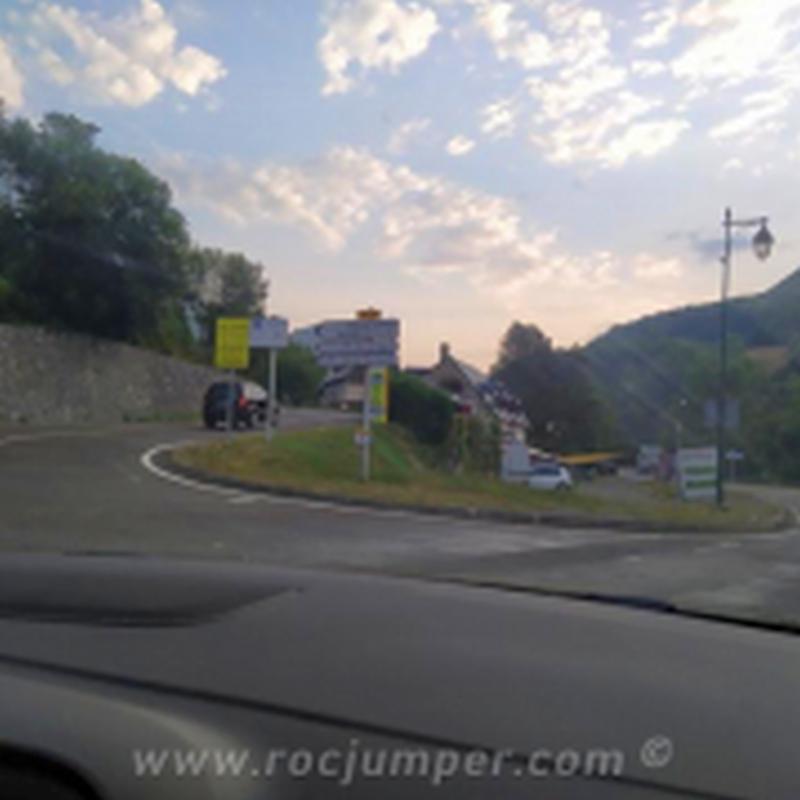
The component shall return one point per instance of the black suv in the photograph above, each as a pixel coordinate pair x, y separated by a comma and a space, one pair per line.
250, 404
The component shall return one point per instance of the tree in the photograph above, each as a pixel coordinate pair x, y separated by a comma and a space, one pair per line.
555, 389
521, 340
299, 374
224, 285
474, 445
91, 241
772, 430
425, 411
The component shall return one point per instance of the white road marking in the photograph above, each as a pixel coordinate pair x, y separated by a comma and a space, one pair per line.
147, 461
245, 499
241, 496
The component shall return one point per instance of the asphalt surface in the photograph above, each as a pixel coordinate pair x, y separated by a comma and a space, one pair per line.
88, 490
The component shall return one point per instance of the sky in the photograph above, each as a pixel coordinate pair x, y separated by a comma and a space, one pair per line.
459, 164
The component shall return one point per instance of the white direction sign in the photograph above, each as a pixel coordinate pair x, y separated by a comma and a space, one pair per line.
697, 473
269, 332
358, 343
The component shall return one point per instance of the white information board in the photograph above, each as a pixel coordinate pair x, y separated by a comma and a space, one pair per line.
269, 332
358, 343
697, 473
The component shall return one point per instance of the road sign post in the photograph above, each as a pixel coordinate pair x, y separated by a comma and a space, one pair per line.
375, 408
232, 352
272, 400
271, 334
366, 429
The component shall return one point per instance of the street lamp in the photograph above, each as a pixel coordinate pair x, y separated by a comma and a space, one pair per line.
763, 243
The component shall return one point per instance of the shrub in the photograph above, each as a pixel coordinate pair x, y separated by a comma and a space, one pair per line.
425, 411
474, 445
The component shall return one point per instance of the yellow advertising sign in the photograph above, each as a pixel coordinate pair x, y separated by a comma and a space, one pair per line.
232, 343
378, 382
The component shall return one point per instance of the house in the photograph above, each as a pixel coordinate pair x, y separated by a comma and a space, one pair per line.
343, 389
476, 393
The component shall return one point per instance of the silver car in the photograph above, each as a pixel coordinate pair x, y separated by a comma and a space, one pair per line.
550, 477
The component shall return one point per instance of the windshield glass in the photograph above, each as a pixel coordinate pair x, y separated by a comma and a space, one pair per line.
519, 276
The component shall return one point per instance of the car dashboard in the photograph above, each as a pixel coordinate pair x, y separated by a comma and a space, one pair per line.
145, 678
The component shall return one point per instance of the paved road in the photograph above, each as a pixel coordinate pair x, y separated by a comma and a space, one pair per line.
87, 490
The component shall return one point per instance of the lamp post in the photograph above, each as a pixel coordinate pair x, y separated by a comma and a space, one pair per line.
763, 242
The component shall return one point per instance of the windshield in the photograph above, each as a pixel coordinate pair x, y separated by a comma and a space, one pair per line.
508, 290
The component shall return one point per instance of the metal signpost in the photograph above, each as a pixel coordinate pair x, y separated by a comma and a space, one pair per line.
272, 334
375, 409
232, 352
369, 343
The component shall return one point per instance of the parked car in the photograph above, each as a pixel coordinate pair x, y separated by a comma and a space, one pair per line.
250, 403
550, 477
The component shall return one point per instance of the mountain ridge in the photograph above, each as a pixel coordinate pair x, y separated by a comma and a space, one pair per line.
768, 318
658, 373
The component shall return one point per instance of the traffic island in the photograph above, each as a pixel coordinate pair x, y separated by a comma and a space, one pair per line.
323, 464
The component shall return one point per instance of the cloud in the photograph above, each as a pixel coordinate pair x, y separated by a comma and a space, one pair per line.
422, 225
661, 23
736, 42
708, 248
609, 137
499, 119
642, 140
371, 35
762, 114
588, 113
459, 146
55, 66
587, 99
513, 38
407, 133
585, 110
11, 83
647, 267
329, 197
127, 59
733, 164
648, 68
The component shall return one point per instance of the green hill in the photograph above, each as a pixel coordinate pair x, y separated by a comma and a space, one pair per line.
658, 373
769, 318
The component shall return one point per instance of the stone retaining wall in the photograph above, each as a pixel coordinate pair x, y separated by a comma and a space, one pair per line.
60, 378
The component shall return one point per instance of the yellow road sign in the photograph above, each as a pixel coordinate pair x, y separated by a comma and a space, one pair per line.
378, 382
232, 343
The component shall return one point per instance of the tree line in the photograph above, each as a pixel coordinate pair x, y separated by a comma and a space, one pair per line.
91, 242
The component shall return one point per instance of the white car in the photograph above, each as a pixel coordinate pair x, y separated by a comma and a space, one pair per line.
549, 477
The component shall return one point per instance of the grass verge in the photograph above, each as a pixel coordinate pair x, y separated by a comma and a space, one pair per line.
325, 462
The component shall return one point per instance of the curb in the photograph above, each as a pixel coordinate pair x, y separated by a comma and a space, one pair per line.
165, 461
